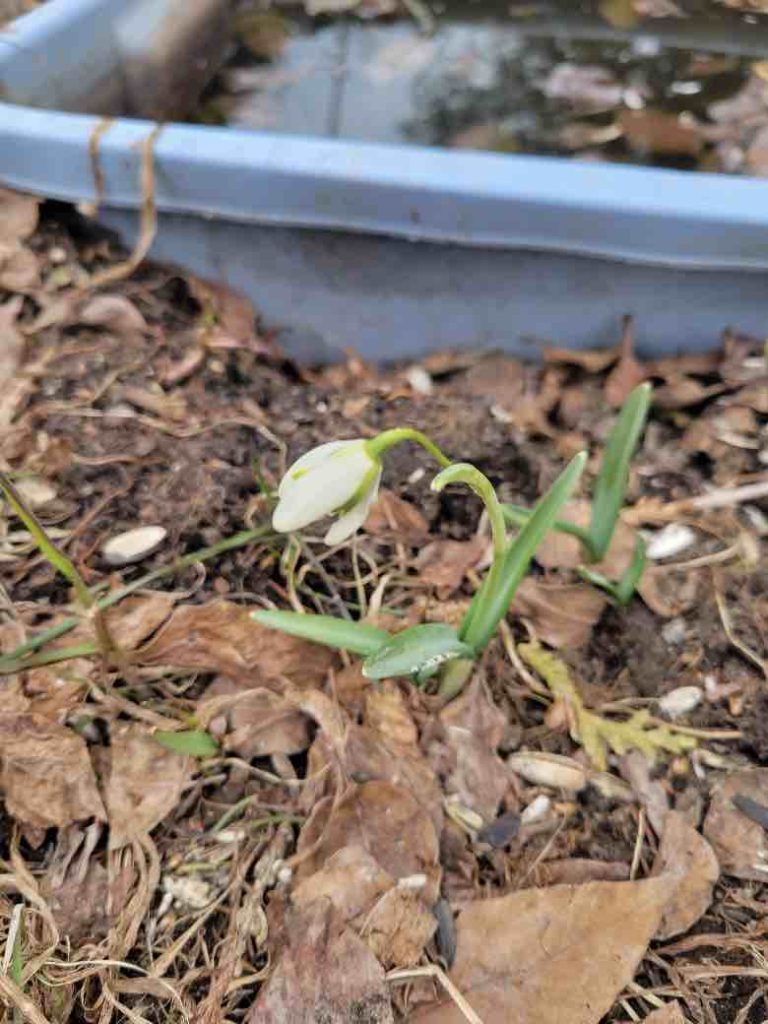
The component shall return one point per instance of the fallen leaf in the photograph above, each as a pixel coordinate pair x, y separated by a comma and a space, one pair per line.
651, 793
137, 617
46, 777
234, 315
562, 953
352, 879
669, 1013
143, 783
19, 271
254, 722
395, 519
386, 712
443, 564
324, 972
561, 616
474, 728
577, 871
385, 820
116, 313
11, 341
627, 373
593, 360
499, 379
686, 856
398, 927
222, 637
18, 214
656, 131
740, 844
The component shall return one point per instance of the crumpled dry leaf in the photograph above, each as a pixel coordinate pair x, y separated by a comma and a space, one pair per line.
650, 792
443, 564
46, 777
19, 271
593, 360
395, 519
143, 783
499, 379
656, 131
352, 879
687, 856
11, 340
222, 637
116, 313
18, 214
588, 86
398, 927
740, 844
234, 314
324, 973
577, 871
385, 820
253, 723
474, 728
562, 616
562, 953
137, 617
627, 373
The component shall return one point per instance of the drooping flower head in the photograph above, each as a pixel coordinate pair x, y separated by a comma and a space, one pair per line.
340, 478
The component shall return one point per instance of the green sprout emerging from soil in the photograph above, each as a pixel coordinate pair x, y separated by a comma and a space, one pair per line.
341, 479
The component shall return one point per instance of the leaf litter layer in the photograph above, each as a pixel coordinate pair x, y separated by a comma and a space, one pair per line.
219, 822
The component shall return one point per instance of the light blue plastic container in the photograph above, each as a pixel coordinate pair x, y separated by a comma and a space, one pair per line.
390, 250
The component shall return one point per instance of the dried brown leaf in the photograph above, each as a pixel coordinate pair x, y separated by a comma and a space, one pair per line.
566, 951
352, 879
137, 617
397, 520
499, 379
561, 616
11, 341
386, 713
593, 360
443, 564
46, 778
115, 313
253, 723
740, 844
323, 973
143, 783
385, 820
398, 928
234, 314
686, 856
222, 637
18, 215
19, 271
578, 870
626, 374
474, 728
656, 131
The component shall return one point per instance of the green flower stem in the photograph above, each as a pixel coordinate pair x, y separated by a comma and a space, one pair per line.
466, 473
389, 438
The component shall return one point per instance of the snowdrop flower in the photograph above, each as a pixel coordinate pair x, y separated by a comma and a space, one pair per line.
339, 478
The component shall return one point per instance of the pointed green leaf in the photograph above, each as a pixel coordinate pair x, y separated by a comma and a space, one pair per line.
357, 637
494, 597
193, 742
418, 650
611, 483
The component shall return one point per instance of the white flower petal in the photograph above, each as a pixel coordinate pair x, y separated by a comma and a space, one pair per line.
327, 486
348, 524
309, 459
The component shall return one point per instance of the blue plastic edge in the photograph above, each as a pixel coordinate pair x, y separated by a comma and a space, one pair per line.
667, 218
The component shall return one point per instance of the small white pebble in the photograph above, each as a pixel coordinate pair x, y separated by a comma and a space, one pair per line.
133, 545
416, 475
680, 701
672, 540
537, 810
57, 255
35, 491
284, 874
420, 380
673, 632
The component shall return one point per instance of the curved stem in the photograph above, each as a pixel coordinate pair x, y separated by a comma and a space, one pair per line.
389, 438
466, 473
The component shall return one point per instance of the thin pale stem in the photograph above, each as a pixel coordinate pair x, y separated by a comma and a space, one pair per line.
466, 473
